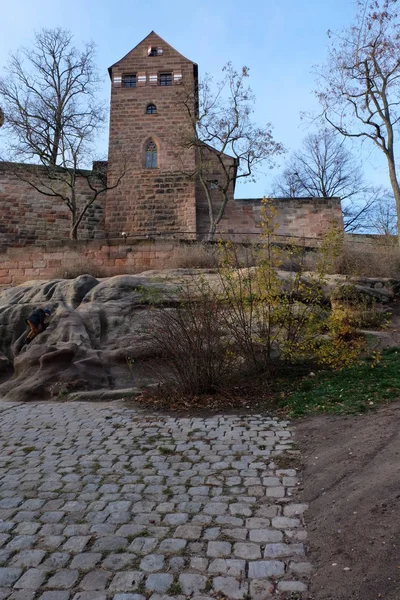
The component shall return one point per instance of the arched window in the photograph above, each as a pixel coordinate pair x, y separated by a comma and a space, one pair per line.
151, 109
151, 155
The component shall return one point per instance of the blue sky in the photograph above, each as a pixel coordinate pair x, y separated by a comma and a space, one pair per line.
279, 41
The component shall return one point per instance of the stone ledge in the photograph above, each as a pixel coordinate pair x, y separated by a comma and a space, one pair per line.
99, 395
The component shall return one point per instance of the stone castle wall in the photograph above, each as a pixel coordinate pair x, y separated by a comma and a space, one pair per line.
163, 198
28, 216
158, 199
295, 217
101, 258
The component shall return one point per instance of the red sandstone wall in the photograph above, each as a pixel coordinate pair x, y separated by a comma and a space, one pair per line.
27, 216
160, 199
149, 201
296, 217
100, 257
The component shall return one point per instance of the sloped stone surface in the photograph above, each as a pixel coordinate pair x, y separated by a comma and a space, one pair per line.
98, 327
94, 327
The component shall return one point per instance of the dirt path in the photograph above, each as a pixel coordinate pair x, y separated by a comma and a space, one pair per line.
352, 482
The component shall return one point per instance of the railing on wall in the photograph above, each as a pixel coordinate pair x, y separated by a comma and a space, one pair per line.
239, 237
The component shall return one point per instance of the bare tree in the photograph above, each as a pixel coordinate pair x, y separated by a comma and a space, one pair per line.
359, 88
52, 116
226, 141
324, 168
383, 217
358, 214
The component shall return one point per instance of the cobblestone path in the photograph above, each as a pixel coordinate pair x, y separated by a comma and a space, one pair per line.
101, 502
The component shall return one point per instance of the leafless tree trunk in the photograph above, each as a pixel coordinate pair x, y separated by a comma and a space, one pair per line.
226, 142
360, 88
77, 188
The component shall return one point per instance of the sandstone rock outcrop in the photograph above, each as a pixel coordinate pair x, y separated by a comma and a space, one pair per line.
95, 327
98, 336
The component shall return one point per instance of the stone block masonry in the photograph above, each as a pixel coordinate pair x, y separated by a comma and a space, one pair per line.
100, 258
295, 218
133, 506
154, 162
28, 216
161, 198
103, 258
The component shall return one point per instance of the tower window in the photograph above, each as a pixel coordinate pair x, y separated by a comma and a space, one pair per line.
151, 109
165, 79
151, 155
154, 51
129, 80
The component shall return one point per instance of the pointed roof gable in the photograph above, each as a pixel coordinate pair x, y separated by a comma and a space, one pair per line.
155, 39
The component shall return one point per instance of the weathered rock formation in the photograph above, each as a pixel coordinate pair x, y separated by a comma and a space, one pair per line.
98, 334
95, 328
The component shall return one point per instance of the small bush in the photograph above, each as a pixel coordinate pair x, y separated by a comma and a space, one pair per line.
349, 295
356, 309
193, 256
251, 318
273, 317
192, 341
342, 345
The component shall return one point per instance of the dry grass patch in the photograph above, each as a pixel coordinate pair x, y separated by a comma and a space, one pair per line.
78, 267
368, 260
193, 256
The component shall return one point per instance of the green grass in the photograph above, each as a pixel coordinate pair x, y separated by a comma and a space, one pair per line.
356, 389
168, 492
165, 451
174, 589
29, 449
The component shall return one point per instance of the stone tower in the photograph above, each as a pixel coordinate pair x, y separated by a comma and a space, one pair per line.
147, 119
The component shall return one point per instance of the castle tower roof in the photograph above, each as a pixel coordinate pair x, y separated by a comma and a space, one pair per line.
152, 39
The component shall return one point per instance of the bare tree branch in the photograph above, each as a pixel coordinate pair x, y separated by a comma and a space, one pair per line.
226, 142
52, 116
382, 218
324, 168
359, 88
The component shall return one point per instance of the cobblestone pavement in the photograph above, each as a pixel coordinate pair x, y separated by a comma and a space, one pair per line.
101, 502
